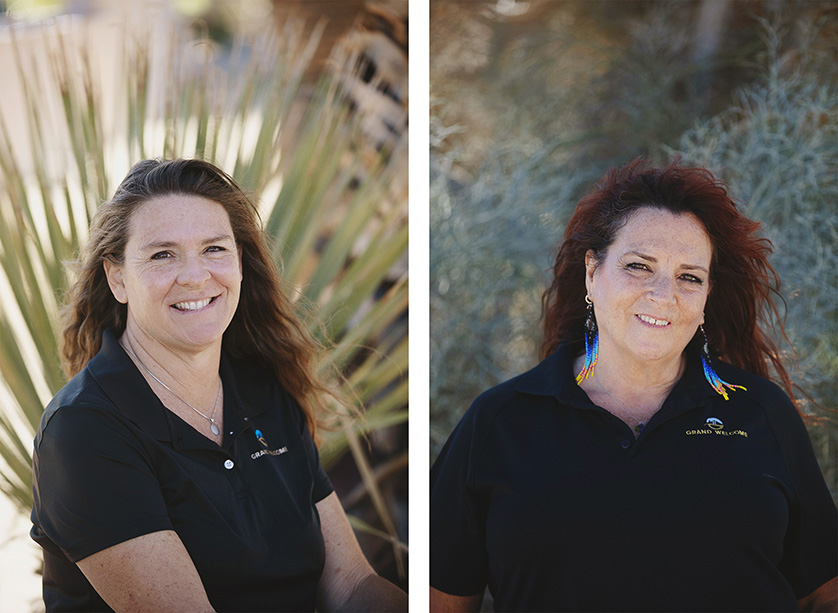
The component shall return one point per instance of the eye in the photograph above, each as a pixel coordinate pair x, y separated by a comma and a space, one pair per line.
692, 279
637, 266
161, 255
216, 249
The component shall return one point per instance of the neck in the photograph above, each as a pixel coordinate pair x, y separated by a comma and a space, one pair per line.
630, 378
631, 391
189, 370
639, 385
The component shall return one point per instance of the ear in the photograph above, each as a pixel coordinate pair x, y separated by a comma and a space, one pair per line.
116, 280
591, 264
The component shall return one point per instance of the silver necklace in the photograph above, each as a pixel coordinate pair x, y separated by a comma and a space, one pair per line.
211, 419
640, 424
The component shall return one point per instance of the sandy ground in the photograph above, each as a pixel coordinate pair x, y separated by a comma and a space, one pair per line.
20, 587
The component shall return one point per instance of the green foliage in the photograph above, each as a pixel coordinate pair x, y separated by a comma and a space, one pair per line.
777, 148
340, 222
491, 242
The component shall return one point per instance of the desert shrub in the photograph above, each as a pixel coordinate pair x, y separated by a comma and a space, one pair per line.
777, 147
491, 246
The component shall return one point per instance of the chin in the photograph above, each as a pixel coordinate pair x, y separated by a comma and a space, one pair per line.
655, 353
199, 339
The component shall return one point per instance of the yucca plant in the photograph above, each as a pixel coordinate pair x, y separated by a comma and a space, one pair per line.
338, 220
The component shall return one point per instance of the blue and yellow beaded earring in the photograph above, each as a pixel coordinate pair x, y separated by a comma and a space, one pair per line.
591, 343
714, 379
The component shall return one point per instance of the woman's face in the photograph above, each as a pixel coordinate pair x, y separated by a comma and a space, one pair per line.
181, 273
649, 291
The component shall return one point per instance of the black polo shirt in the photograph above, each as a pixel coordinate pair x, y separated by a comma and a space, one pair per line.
112, 463
547, 498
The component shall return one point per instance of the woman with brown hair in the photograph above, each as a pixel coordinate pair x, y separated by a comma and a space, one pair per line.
177, 469
647, 463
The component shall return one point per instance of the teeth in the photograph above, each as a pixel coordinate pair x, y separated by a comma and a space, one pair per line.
192, 306
653, 321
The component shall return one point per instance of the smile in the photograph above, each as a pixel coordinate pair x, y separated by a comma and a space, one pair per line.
193, 306
662, 323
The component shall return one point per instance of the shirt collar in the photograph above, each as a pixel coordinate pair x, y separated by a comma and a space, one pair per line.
247, 384
554, 377
126, 387
117, 375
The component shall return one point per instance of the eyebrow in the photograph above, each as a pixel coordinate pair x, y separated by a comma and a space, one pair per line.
654, 261
170, 244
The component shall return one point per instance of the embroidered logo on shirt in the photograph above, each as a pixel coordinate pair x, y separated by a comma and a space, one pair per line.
716, 426
266, 451
714, 423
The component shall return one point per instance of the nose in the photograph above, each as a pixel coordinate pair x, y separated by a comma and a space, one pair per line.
193, 272
662, 289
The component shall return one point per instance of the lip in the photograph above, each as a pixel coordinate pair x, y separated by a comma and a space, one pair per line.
653, 322
194, 306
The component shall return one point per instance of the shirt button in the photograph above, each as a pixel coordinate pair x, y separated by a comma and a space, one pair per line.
228, 464
624, 445
247, 419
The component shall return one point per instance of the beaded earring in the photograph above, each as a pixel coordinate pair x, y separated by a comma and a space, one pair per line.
714, 379
591, 344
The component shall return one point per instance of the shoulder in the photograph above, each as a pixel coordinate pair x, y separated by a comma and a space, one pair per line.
98, 409
108, 391
496, 399
770, 399
83, 441
550, 378
759, 391
535, 389
79, 397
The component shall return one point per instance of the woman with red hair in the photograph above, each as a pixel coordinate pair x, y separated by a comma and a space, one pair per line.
647, 463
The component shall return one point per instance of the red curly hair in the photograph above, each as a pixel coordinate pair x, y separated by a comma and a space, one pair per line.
740, 304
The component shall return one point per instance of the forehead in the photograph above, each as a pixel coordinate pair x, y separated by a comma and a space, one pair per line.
177, 217
659, 232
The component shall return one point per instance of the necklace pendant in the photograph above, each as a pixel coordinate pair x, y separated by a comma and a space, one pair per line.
214, 429
639, 427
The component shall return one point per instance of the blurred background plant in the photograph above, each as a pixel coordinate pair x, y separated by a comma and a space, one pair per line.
777, 147
532, 102
314, 127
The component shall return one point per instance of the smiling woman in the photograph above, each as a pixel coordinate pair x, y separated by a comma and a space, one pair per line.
151, 487
649, 290
182, 271
582, 485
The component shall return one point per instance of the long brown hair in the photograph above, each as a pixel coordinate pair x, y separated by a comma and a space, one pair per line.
265, 327
740, 304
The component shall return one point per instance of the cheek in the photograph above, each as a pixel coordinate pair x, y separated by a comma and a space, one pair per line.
226, 274
229, 273
693, 304
622, 292
149, 284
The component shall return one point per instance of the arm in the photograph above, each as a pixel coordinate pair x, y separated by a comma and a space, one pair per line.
349, 583
152, 572
825, 598
448, 603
